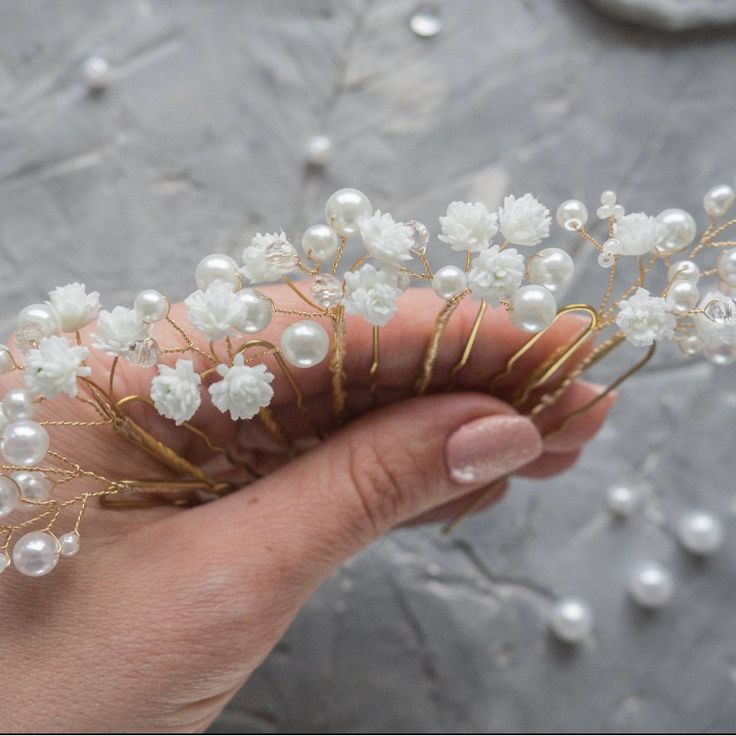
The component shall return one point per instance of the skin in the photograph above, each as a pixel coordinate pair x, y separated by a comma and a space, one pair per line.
165, 613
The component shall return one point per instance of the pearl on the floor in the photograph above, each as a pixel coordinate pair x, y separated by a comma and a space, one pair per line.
96, 72
216, 266
651, 585
700, 533
320, 242
572, 214
623, 500
33, 484
36, 554
532, 308
69, 544
305, 344
319, 148
344, 210
151, 305
571, 620
18, 403
9, 495
256, 311
680, 229
449, 281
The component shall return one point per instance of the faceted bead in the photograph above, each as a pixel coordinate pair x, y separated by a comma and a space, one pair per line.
420, 236
144, 353
327, 290
281, 256
722, 311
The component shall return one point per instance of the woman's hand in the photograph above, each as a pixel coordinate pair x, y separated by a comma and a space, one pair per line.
165, 613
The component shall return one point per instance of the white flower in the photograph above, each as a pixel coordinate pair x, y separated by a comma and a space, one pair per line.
52, 368
712, 334
75, 306
215, 310
175, 391
496, 274
268, 258
386, 240
243, 390
644, 318
468, 226
118, 330
638, 234
372, 294
524, 221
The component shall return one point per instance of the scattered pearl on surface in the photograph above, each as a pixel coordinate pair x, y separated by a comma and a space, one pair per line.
726, 267
35, 322
682, 296
651, 585
571, 620
572, 214
623, 500
256, 313
9, 495
344, 210
36, 554
719, 200
96, 72
7, 363
680, 230
700, 533
216, 266
425, 22
305, 344
151, 305
319, 148
552, 268
25, 443
449, 281
532, 308
18, 403
684, 271
320, 242
69, 544
33, 484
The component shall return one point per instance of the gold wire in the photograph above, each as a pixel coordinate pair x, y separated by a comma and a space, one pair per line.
468, 349
337, 366
375, 363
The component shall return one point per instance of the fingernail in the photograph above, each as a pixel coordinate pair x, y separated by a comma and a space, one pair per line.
487, 448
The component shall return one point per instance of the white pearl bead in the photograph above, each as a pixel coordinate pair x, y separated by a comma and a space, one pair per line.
33, 484
680, 230
305, 344
25, 443
3, 422
96, 72
7, 363
151, 306
449, 281
319, 148
689, 344
36, 554
572, 214
216, 266
532, 308
345, 208
651, 585
719, 200
69, 544
4, 561
682, 296
684, 271
18, 403
256, 313
700, 533
609, 197
552, 268
622, 500
9, 495
726, 266
35, 322
320, 242
571, 620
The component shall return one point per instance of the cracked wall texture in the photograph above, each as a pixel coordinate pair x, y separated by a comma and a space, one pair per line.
199, 141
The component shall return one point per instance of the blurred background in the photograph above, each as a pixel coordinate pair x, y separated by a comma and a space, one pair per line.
198, 133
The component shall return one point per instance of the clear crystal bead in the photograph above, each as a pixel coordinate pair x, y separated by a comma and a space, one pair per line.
144, 353
27, 337
327, 290
722, 311
281, 256
420, 236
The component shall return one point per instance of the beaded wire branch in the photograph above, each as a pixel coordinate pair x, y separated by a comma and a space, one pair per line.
53, 491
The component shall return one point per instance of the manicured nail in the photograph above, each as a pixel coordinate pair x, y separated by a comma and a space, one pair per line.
487, 448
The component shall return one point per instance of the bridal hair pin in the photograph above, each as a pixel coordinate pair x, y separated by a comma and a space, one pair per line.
214, 353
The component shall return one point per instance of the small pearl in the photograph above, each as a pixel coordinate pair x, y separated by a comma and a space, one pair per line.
36, 554
552, 268
33, 484
320, 242
305, 344
682, 296
684, 271
572, 214
726, 266
25, 443
449, 281
700, 533
69, 544
18, 403
651, 585
96, 73
4, 561
319, 148
9, 495
7, 363
425, 22
689, 344
622, 500
571, 620
151, 306
34, 322
345, 208
256, 311
216, 266
609, 197
532, 308
719, 200
680, 228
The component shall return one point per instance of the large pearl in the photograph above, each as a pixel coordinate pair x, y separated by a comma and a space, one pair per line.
680, 230
7, 363
684, 271
9, 495
33, 484
36, 554
18, 403
344, 210
69, 544
651, 585
216, 266
719, 200
726, 266
572, 214
25, 443
320, 242
35, 322
305, 344
552, 268
682, 296
571, 620
256, 311
449, 281
700, 533
532, 308
151, 306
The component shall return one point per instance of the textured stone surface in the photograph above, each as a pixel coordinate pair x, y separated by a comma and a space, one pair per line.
200, 140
